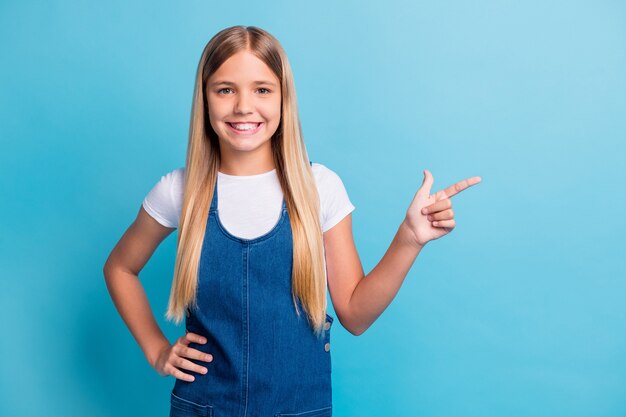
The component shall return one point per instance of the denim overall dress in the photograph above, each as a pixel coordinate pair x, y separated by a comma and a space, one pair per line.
266, 360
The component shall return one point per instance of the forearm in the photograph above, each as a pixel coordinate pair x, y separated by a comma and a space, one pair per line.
377, 289
132, 304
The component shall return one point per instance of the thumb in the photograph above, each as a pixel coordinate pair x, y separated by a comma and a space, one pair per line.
426, 184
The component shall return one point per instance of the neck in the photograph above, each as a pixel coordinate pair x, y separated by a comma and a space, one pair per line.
243, 165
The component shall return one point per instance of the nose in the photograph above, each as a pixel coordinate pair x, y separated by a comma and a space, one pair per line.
243, 104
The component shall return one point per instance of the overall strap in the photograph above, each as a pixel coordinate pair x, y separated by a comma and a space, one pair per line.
214, 199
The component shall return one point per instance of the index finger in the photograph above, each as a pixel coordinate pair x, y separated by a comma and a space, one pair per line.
191, 337
457, 188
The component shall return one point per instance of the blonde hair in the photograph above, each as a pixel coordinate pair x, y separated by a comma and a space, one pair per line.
292, 167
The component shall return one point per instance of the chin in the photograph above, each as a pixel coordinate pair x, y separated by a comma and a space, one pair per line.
245, 144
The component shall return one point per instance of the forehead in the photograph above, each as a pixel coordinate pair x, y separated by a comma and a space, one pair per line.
243, 68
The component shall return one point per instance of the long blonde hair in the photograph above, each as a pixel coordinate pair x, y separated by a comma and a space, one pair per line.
292, 167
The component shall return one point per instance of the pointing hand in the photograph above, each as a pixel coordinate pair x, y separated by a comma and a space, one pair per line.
430, 216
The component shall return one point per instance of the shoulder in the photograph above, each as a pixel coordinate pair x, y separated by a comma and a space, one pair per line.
173, 181
164, 200
328, 182
176, 184
334, 200
177, 176
324, 175
174, 177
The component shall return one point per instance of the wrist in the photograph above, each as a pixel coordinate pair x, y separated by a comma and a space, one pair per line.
407, 237
152, 356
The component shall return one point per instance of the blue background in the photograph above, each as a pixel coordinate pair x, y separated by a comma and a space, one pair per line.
520, 311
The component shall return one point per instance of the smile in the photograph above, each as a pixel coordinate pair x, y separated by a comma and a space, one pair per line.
245, 129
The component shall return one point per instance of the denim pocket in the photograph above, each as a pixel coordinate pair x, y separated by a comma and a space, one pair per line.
185, 408
320, 412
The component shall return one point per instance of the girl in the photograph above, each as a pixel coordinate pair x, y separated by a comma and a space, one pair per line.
262, 234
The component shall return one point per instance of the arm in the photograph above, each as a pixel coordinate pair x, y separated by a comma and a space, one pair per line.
121, 273
359, 300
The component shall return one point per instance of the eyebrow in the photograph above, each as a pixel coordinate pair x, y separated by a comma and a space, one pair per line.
231, 83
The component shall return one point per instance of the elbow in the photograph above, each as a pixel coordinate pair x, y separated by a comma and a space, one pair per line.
355, 333
107, 269
355, 330
351, 324
106, 273
110, 267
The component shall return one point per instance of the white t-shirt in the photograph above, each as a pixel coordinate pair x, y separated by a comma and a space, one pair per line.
249, 206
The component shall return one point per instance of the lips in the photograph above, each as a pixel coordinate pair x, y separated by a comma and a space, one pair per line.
245, 132
243, 123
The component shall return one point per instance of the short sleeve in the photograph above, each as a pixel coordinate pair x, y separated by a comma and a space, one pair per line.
334, 201
161, 202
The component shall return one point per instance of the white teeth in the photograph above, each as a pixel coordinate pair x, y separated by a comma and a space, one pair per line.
245, 126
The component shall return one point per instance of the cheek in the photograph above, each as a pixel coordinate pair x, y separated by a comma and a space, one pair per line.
216, 126
214, 114
211, 120
272, 111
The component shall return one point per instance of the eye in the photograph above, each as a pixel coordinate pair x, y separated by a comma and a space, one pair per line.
222, 89
268, 91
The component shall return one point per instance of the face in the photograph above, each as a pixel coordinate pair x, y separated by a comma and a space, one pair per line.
244, 89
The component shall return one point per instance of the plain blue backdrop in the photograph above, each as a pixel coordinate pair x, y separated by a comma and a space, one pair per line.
520, 311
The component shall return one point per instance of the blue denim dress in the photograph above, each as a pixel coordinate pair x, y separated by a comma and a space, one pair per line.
266, 360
